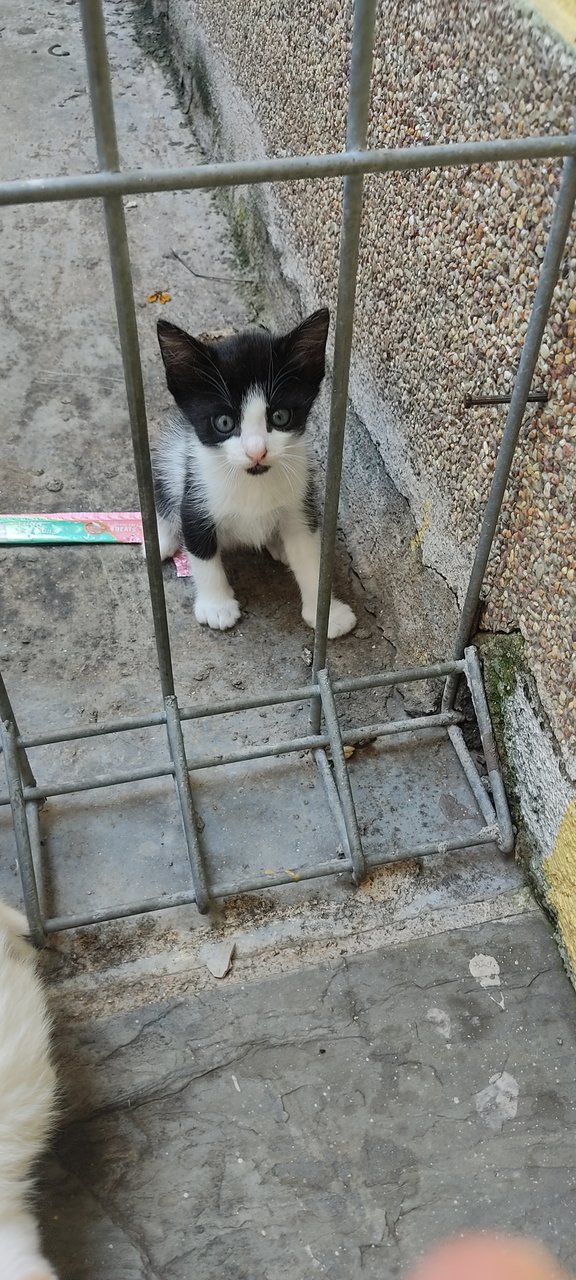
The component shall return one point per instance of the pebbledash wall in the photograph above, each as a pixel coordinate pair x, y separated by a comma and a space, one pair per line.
447, 274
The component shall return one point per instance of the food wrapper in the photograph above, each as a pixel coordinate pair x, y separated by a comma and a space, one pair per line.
78, 526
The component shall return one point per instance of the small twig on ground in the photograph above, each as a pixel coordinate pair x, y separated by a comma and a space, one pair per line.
201, 275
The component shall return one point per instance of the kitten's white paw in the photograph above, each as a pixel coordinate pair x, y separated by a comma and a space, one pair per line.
217, 613
340, 622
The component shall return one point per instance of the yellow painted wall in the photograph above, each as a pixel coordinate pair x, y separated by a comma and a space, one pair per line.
560, 872
559, 14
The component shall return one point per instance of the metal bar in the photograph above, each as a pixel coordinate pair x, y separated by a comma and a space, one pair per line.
57, 924
474, 780
387, 728
505, 839
311, 742
7, 714
21, 831
356, 126
405, 675
274, 697
118, 779
535, 397
538, 320
182, 780
334, 866
119, 254
242, 173
33, 819
332, 797
342, 779
80, 732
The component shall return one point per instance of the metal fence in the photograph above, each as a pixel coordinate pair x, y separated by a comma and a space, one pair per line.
25, 795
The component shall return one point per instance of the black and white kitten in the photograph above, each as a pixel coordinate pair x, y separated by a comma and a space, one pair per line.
233, 467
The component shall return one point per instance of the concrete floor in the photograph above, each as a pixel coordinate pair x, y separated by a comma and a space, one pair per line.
332, 1120
205, 1130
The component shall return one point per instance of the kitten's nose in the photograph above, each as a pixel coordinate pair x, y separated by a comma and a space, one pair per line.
256, 449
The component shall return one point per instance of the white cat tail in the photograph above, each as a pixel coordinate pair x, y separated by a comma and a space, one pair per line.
27, 1097
13, 921
20, 1256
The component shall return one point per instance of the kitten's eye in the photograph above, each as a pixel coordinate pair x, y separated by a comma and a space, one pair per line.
281, 417
224, 424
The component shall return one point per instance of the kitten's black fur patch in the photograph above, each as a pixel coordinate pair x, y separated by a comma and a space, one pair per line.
208, 379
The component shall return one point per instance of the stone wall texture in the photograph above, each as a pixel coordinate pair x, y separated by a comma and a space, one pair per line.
448, 270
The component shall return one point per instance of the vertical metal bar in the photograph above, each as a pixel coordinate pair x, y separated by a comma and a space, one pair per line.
473, 778
358, 107
331, 791
6, 713
33, 808
505, 839
21, 831
182, 780
542, 302
342, 779
108, 159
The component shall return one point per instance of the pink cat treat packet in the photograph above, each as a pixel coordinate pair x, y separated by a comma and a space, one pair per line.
78, 526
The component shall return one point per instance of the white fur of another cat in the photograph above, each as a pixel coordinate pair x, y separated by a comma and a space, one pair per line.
27, 1098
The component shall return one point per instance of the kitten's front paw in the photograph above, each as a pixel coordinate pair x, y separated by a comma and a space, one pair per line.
218, 614
341, 620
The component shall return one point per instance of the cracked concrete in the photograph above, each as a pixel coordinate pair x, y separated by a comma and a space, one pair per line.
320, 1119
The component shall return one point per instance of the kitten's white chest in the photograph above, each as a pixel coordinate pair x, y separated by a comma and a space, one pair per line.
254, 530
246, 509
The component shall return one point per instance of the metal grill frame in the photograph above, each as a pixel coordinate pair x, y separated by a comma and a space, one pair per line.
24, 795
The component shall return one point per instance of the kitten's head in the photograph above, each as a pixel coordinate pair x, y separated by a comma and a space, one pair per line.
250, 394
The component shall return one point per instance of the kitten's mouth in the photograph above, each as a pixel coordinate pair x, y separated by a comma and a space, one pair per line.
257, 470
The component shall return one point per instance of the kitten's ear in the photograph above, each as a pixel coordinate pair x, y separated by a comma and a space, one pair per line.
305, 346
184, 357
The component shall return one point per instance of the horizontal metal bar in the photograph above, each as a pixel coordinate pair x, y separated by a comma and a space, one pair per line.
56, 924
200, 711
333, 866
271, 698
77, 733
383, 729
387, 728
405, 675
239, 173
536, 397
121, 778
